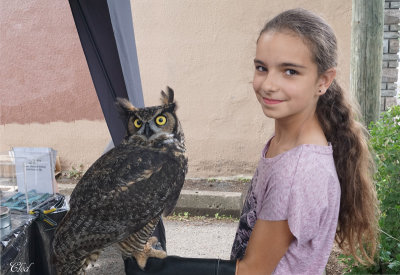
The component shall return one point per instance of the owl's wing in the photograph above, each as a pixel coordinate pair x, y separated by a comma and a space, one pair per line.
114, 170
122, 191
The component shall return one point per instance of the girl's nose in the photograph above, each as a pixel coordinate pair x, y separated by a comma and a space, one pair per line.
269, 83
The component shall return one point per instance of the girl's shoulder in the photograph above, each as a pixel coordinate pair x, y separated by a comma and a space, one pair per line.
298, 153
301, 163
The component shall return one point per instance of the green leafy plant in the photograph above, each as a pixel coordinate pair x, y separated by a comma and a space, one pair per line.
386, 143
385, 140
244, 180
218, 216
75, 173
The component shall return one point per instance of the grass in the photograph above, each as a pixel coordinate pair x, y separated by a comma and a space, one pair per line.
186, 216
75, 173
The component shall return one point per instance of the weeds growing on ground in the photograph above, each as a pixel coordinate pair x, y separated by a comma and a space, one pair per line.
74, 173
186, 216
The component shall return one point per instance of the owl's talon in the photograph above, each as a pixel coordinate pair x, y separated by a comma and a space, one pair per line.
152, 241
148, 251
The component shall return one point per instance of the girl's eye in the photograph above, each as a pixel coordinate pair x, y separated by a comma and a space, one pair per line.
260, 68
137, 123
161, 120
291, 72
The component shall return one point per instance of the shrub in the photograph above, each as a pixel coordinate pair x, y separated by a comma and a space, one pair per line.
385, 140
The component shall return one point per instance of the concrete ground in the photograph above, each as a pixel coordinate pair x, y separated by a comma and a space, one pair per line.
198, 238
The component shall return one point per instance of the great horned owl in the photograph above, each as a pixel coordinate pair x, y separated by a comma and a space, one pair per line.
122, 195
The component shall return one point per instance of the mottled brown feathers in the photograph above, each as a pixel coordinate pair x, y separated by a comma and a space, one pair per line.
167, 99
123, 194
125, 105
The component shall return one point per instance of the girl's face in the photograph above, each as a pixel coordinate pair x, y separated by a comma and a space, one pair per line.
286, 81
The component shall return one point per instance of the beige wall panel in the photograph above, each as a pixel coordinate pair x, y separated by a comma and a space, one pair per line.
78, 142
204, 50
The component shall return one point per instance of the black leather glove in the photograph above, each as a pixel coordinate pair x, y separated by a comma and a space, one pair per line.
173, 265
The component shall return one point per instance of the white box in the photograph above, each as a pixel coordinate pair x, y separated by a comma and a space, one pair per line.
34, 167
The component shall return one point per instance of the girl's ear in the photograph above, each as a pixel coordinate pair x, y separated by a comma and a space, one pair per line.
326, 79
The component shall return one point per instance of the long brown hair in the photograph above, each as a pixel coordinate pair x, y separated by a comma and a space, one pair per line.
358, 215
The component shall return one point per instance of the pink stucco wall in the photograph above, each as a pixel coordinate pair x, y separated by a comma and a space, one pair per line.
43, 72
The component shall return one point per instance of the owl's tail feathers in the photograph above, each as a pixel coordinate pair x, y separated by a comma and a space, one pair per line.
91, 259
73, 267
76, 266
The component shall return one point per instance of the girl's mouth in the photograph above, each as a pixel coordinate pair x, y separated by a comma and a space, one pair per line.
271, 101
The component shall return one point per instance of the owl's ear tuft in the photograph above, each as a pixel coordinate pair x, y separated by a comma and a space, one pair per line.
124, 106
167, 98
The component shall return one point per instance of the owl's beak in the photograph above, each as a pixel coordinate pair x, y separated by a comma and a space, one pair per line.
147, 131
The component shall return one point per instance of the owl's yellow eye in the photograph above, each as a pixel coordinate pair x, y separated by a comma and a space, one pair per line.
161, 120
137, 123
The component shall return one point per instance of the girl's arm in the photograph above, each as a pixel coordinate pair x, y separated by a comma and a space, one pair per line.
268, 243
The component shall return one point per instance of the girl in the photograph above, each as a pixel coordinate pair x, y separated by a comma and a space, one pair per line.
313, 183
314, 179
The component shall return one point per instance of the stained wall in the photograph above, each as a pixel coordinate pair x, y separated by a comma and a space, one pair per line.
202, 49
